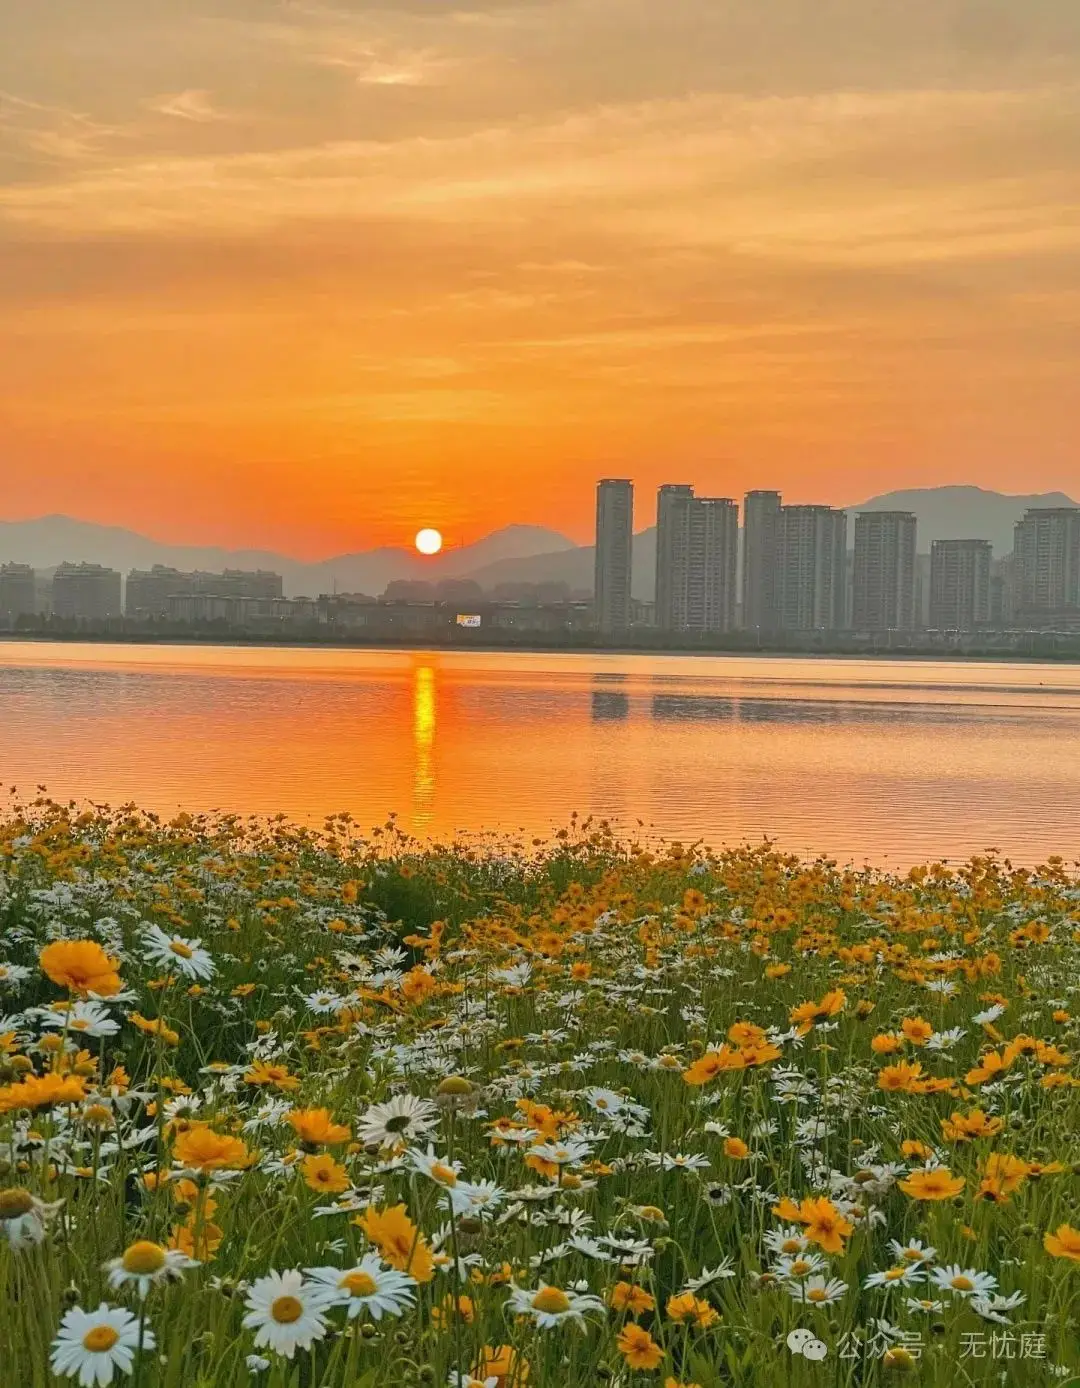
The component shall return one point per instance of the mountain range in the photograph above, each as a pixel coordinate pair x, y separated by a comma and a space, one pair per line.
514, 554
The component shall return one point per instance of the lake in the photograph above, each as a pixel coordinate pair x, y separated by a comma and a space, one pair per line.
886, 761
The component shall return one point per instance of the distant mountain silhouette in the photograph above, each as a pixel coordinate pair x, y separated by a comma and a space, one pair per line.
960, 513
515, 554
944, 513
48, 541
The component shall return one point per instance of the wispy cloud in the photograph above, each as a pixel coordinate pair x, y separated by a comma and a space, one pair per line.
191, 105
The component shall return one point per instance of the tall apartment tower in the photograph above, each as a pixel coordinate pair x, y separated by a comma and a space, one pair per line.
614, 553
18, 591
90, 591
1046, 553
960, 584
811, 568
761, 524
883, 582
697, 548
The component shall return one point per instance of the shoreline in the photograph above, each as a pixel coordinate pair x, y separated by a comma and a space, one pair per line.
928, 654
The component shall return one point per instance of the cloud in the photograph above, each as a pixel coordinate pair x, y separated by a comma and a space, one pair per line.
191, 105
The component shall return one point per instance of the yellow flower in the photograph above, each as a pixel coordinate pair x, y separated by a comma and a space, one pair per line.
936, 1184
1063, 1243
625, 1296
202, 1149
399, 1241
44, 1091
825, 1225
315, 1127
735, 1148
638, 1347
81, 965
323, 1173
274, 1076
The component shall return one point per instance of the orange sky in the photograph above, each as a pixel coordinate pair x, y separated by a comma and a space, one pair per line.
306, 276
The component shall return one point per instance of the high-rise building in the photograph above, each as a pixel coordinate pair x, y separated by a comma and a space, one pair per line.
960, 584
88, 591
697, 547
669, 501
811, 568
149, 591
883, 581
614, 553
1046, 551
761, 523
18, 595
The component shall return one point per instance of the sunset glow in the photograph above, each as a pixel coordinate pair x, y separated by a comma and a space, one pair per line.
285, 275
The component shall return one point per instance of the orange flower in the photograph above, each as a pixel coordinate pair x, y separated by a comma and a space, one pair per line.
1063, 1243
155, 1026
885, 1043
274, 1076
399, 1241
963, 1127
625, 1296
81, 965
687, 1307
712, 1063
1002, 1175
917, 1030
735, 1148
315, 1127
323, 1173
937, 1183
825, 1225
42, 1091
202, 1149
903, 1077
504, 1364
638, 1347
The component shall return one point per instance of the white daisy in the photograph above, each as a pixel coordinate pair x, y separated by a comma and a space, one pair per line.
11, 975
287, 1311
90, 1344
174, 952
963, 1282
84, 1018
817, 1291
369, 1286
562, 1153
442, 1171
23, 1217
551, 1306
902, 1275
146, 1264
473, 1197
914, 1251
401, 1120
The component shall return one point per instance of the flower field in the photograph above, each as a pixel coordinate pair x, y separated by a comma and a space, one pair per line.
332, 1110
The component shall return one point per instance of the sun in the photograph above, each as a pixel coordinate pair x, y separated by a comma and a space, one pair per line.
428, 541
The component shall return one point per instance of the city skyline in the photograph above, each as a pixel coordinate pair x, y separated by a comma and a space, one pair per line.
308, 276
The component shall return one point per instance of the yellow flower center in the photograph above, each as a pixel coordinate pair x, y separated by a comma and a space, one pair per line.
286, 1309
791, 1246
894, 1273
100, 1339
551, 1299
143, 1259
178, 947
816, 1294
962, 1284
445, 1175
79, 1024
358, 1283
15, 1202
799, 1267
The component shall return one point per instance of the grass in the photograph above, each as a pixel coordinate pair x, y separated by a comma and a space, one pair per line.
709, 1093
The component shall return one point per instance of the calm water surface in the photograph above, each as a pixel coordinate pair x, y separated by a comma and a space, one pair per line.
885, 760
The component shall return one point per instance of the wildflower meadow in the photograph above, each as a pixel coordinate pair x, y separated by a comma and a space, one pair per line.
339, 1110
